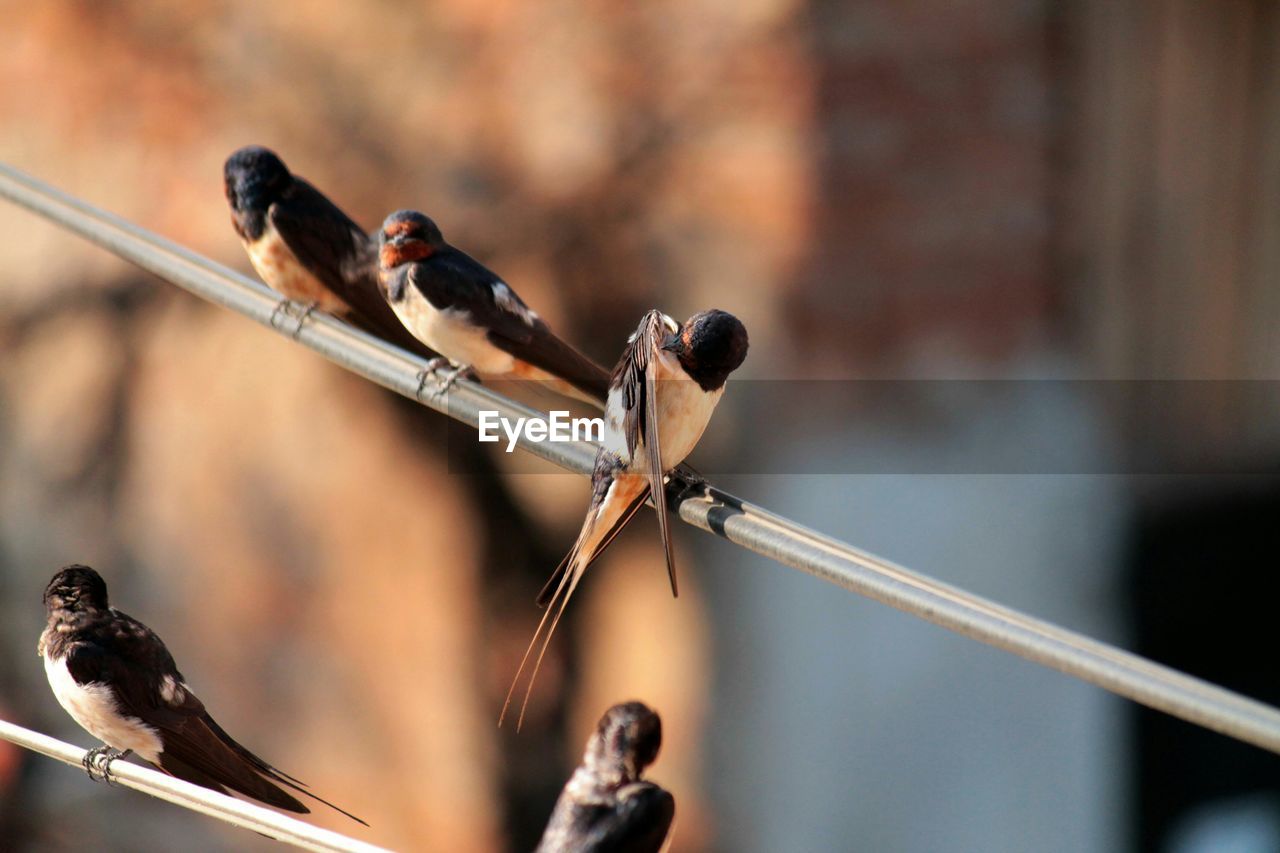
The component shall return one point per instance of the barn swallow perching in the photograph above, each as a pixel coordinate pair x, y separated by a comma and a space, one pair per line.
465, 312
661, 397
605, 806
115, 678
305, 248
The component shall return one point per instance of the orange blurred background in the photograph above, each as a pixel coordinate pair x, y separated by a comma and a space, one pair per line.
879, 190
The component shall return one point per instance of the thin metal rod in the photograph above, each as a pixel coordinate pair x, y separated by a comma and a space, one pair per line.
228, 809
738, 521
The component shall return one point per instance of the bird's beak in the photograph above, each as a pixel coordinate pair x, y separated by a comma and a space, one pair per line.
672, 343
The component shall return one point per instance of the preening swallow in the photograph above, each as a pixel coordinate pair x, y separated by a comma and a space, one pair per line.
305, 248
605, 806
115, 678
465, 312
661, 397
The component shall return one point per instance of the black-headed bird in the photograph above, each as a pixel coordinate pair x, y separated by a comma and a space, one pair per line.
465, 312
661, 397
305, 248
605, 806
115, 678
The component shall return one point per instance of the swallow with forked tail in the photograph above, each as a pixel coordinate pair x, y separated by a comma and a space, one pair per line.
115, 678
661, 397
606, 806
305, 248
465, 312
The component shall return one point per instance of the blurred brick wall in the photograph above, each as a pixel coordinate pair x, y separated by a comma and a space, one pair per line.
934, 186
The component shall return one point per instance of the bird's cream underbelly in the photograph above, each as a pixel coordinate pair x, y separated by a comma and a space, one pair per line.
94, 707
451, 334
281, 270
684, 410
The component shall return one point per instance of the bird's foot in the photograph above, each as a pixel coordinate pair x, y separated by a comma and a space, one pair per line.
302, 321
90, 757
299, 312
443, 374
688, 482
97, 762
284, 308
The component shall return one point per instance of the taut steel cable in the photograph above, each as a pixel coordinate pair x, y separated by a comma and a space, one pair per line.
731, 518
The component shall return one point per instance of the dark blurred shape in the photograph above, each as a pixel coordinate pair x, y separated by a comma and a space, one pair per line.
605, 805
1204, 592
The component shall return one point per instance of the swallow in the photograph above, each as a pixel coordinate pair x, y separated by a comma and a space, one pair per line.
605, 806
465, 312
661, 397
305, 248
115, 678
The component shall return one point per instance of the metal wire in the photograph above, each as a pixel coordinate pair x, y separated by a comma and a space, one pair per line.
731, 518
235, 812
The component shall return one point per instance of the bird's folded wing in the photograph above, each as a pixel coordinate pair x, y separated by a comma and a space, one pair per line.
454, 280
343, 257
638, 372
638, 824
148, 687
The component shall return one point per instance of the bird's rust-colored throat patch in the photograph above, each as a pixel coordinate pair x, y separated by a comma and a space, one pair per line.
393, 256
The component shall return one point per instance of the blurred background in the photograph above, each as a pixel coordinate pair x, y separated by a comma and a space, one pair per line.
1080, 200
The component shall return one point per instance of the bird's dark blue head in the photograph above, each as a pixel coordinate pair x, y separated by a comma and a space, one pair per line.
254, 178
710, 346
407, 235
627, 739
76, 588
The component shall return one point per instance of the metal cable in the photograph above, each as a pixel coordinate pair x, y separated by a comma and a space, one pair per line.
731, 518
228, 809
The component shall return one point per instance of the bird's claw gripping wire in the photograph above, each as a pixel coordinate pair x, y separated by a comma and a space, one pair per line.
687, 483
443, 374
91, 756
97, 762
295, 310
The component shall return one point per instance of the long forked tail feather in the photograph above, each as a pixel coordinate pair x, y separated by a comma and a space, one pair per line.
262, 766
608, 493
558, 601
573, 577
571, 570
553, 583
300, 787
271, 773
199, 770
